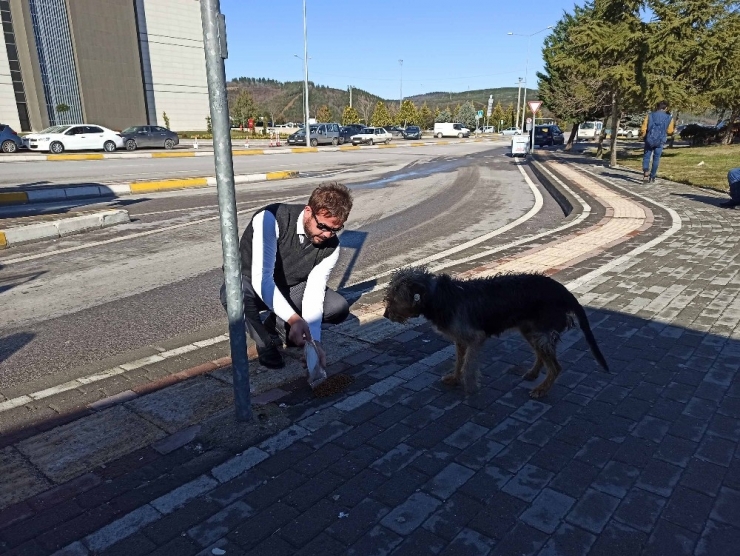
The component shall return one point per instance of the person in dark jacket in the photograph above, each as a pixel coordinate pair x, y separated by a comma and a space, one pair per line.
655, 130
733, 178
287, 253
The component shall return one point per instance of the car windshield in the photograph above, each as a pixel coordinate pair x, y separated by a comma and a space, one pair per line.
132, 129
587, 125
412, 129
55, 129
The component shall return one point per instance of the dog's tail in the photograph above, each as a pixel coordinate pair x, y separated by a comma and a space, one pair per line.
586, 329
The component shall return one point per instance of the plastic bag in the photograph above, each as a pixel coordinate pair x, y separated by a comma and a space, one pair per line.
316, 373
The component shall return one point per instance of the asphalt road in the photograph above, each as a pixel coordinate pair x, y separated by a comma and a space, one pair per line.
72, 303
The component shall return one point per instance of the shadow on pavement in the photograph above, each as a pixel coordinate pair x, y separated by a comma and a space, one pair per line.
15, 342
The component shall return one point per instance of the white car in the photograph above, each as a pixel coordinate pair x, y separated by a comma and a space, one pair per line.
60, 138
511, 131
372, 135
627, 132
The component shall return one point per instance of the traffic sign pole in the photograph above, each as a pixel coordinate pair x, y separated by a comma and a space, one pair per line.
534, 106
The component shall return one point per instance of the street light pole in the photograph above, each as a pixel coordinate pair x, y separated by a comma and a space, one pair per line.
518, 100
306, 116
400, 102
526, 71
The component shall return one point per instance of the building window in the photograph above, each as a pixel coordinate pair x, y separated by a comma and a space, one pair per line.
56, 61
15, 66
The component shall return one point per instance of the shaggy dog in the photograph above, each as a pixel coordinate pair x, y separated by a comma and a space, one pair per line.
469, 311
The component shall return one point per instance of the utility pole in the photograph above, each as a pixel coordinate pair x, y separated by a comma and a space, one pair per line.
214, 43
400, 102
307, 127
350, 96
518, 98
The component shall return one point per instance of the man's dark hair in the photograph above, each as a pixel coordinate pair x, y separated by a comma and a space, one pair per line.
662, 105
332, 198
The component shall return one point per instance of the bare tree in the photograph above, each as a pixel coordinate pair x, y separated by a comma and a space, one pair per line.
365, 104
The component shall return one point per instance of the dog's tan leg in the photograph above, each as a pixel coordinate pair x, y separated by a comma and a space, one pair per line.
553, 370
470, 370
453, 379
535, 341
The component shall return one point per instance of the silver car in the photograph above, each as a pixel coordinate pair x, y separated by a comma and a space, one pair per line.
143, 136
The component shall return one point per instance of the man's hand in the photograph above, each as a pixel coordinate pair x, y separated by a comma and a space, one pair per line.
299, 331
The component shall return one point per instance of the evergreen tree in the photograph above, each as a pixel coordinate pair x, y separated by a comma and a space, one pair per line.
243, 109
407, 115
466, 115
497, 115
425, 118
381, 116
324, 115
443, 116
350, 116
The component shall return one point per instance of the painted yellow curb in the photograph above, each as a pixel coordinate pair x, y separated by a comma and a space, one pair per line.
3, 241
173, 155
349, 148
282, 175
248, 152
418, 144
147, 186
13, 198
74, 157
387, 146
304, 150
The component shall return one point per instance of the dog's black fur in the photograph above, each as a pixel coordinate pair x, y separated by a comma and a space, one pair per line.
469, 311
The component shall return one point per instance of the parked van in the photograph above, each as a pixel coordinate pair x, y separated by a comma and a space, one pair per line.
589, 131
321, 134
449, 129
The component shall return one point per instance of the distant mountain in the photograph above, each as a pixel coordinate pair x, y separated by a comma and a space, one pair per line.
283, 101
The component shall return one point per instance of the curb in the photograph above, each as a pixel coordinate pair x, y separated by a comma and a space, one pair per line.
118, 189
61, 228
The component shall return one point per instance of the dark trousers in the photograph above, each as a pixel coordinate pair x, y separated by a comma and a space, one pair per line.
336, 309
733, 177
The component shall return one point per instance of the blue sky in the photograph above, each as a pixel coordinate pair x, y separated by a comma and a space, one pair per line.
444, 46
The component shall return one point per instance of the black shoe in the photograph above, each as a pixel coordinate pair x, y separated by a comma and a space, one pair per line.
270, 357
652, 180
729, 204
645, 178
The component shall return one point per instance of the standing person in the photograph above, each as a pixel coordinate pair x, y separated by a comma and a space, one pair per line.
655, 129
733, 178
287, 253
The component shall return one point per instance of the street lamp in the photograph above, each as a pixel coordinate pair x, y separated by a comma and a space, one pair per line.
518, 100
526, 71
400, 102
303, 95
306, 127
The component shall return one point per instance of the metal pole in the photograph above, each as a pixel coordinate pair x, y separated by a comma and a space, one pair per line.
400, 102
214, 42
307, 127
518, 100
350, 96
524, 99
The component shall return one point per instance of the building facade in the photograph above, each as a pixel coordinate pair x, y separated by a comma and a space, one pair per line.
115, 63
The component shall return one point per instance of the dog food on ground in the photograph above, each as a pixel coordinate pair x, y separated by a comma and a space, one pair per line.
333, 385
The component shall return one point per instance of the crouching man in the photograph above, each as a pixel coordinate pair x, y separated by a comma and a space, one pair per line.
287, 253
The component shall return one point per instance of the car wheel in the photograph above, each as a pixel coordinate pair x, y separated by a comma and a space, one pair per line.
334, 141
314, 142
109, 146
56, 147
9, 147
387, 141
168, 143
459, 135
372, 142
439, 136
341, 140
130, 145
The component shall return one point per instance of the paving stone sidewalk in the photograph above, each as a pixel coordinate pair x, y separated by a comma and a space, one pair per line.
640, 461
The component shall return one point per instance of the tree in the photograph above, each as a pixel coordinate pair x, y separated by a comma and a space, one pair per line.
62, 109
350, 116
466, 115
510, 115
244, 108
381, 116
209, 127
443, 116
166, 120
324, 114
425, 118
498, 114
365, 104
407, 115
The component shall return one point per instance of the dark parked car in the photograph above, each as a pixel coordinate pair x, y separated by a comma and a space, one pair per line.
412, 132
394, 130
548, 135
10, 142
346, 132
142, 136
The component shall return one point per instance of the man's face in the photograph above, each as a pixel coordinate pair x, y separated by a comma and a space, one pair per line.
319, 227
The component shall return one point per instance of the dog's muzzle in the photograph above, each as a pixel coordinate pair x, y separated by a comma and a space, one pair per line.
385, 314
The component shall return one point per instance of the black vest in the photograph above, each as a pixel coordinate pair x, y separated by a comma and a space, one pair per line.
294, 260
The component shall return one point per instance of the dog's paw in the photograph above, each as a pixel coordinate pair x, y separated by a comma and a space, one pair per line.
450, 380
529, 375
537, 393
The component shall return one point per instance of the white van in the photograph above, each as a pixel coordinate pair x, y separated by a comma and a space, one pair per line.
589, 131
449, 129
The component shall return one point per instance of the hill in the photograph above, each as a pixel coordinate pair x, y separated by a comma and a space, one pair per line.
283, 101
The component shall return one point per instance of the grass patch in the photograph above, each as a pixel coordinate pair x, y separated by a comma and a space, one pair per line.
682, 164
